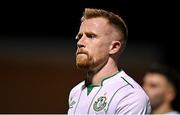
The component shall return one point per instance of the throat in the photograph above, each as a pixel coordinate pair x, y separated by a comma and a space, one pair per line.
96, 75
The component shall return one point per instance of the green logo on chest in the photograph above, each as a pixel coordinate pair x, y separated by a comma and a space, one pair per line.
100, 103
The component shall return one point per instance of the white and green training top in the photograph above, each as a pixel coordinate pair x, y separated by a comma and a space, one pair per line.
118, 94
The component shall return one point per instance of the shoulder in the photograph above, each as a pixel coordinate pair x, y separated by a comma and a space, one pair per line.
138, 96
133, 101
129, 80
132, 96
77, 88
132, 90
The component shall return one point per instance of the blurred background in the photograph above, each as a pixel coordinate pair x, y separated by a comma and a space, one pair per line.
37, 48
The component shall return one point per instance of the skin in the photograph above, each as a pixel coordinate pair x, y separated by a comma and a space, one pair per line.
98, 43
160, 92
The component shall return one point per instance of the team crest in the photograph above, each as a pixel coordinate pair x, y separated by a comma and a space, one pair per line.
100, 103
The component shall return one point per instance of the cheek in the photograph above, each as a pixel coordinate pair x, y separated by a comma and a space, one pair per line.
99, 56
155, 93
100, 51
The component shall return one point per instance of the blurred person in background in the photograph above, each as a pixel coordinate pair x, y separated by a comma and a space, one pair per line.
160, 83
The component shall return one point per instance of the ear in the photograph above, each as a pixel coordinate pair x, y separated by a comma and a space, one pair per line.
171, 94
114, 47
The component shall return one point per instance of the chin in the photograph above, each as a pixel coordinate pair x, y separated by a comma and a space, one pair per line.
82, 62
82, 67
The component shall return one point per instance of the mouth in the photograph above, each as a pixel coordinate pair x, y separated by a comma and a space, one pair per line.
80, 53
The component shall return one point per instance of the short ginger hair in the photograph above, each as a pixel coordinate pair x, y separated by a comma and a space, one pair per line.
113, 19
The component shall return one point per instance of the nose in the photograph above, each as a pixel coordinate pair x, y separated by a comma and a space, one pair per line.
81, 42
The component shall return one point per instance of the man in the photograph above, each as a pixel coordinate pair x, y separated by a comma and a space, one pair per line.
106, 90
160, 84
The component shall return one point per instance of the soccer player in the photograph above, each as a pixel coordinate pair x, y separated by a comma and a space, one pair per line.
106, 89
160, 82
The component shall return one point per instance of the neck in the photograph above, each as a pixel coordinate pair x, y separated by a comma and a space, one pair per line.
164, 108
107, 70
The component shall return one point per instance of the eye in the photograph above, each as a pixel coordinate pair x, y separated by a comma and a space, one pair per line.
153, 85
90, 35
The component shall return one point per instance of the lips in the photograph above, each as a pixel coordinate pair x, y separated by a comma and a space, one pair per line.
81, 52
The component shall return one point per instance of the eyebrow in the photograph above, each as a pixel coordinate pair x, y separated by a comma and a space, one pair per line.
90, 33
78, 36
86, 33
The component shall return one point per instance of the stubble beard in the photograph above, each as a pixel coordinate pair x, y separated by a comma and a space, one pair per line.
155, 103
84, 61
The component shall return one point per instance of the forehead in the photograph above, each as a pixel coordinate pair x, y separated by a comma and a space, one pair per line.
155, 78
95, 24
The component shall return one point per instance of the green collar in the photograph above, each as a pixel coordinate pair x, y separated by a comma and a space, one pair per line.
91, 86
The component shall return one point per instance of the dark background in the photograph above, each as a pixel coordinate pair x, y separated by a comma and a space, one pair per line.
37, 48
